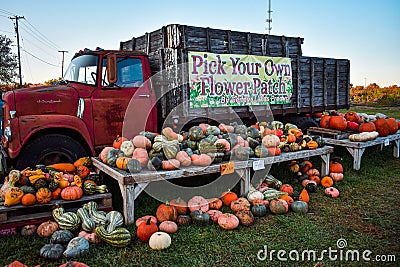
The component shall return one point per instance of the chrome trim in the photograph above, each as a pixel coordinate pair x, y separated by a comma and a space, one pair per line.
81, 108
148, 96
12, 114
7, 133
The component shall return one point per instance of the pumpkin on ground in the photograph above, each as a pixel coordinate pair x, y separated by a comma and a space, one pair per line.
145, 230
184, 219
29, 229
169, 227
228, 196
245, 217
52, 251
288, 199
336, 176
200, 217
259, 210
198, 203
300, 207
215, 203
240, 204
144, 219
326, 181
61, 237
304, 196
278, 206
78, 246
214, 214
335, 166
166, 212
228, 221
160, 241
46, 229
331, 192
180, 205
287, 188
91, 237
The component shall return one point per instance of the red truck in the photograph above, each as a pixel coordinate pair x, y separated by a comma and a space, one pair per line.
86, 110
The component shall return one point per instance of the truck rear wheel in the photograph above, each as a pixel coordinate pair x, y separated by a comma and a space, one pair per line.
304, 123
49, 149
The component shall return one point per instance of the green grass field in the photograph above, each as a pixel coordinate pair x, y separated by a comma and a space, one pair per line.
366, 215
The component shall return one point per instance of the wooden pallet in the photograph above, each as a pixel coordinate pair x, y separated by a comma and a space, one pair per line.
20, 215
330, 133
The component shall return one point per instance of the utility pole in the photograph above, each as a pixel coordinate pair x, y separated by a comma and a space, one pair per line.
269, 19
62, 64
19, 53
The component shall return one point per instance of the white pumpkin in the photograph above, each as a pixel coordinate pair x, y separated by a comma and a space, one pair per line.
255, 194
127, 148
270, 140
160, 241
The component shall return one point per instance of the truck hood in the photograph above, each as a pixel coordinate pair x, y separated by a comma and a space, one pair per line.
58, 99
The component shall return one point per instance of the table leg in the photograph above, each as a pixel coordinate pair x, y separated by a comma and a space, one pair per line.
244, 180
396, 148
325, 164
129, 194
357, 154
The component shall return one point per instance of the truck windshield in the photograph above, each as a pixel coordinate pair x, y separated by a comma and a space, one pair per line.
82, 69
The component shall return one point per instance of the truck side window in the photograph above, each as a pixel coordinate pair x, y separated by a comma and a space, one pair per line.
129, 72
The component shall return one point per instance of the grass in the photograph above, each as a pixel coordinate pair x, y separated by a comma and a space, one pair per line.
366, 215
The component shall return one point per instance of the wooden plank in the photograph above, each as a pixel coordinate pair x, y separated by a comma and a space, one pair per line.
377, 141
331, 133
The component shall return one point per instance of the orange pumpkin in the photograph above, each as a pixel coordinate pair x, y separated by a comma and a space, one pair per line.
305, 166
393, 126
304, 196
118, 141
337, 123
336, 176
43, 195
352, 116
63, 183
71, 193
121, 162
56, 193
326, 181
313, 172
82, 171
215, 203
335, 166
166, 212
315, 178
180, 205
291, 138
289, 200
240, 204
382, 127
367, 127
324, 122
227, 197
28, 199
287, 188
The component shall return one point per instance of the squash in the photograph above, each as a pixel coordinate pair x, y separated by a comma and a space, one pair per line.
331, 192
338, 123
201, 160
166, 212
240, 204
196, 133
104, 152
28, 189
113, 155
215, 203
261, 152
46, 229
336, 176
88, 223
228, 221
242, 153
144, 219
227, 197
304, 196
78, 246
288, 199
393, 125
287, 188
224, 142
214, 214
259, 210
52, 251
300, 207
180, 205
270, 140
120, 237
367, 127
278, 206
200, 217
224, 128
140, 141
255, 194
213, 130
71, 193
13, 196
382, 127
133, 166
149, 135
61, 237
198, 203
159, 241
141, 155
145, 230
28, 199
114, 219
83, 161
91, 237
28, 230
171, 164
183, 158
127, 148
246, 218
168, 227
155, 164
335, 166
364, 136
66, 220
170, 149
62, 167
169, 133
184, 219
121, 162
98, 216
312, 144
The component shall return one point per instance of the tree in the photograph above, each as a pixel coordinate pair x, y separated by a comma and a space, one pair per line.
8, 62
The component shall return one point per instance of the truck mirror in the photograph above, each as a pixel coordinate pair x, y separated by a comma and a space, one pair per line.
112, 68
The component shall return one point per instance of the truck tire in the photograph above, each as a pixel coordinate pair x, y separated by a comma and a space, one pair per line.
304, 123
49, 149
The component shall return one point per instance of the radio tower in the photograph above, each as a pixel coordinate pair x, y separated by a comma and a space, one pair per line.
269, 19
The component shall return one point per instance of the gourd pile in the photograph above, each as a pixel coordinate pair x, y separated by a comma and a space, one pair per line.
205, 144
365, 127
46, 183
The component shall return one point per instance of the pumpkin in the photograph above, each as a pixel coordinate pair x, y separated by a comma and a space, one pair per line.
52, 251
287, 188
214, 214
169, 133
74, 264
291, 138
312, 144
225, 143
393, 125
226, 128
240, 204
352, 126
78, 246
324, 122
82, 171
127, 148
273, 151
145, 230
63, 183
28, 199
159, 241
180, 205
288, 199
278, 206
228, 221
338, 123
29, 229
352, 117
315, 178
259, 201
382, 127
183, 158
133, 166
200, 217
118, 141
61, 237
259, 210
144, 219
312, 172
43, 195
171, 164
168, 227
83, 161
103, 153
246, 218
300, 207
367, 127
166, 212
254, 194
201, 160
331, 192
227, 197
196, 133
304, 196
71, 193
113, 155
13, 196
335, 166
215, 203
46, 229
141, 155
122, 162
120, 237
336, 176
16, 264
184, 219
140, 141
270, 140
56, 193
198, 203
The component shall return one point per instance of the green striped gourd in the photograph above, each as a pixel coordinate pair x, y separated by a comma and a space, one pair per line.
66, 220
114, 219
88, 223
89, 188
120, 237
98, 216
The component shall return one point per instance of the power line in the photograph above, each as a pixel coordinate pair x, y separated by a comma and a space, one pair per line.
41, 48
6, 12
38, 37
43, 36
40, 59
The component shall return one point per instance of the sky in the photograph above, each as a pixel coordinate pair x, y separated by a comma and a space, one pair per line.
367, 32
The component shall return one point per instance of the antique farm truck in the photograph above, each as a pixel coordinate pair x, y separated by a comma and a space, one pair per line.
177, 76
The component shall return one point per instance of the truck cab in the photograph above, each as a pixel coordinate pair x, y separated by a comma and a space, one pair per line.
81, 114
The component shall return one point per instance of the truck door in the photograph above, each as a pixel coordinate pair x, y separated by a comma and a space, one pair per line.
110, 102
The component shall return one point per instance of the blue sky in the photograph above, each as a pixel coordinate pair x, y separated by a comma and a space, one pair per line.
365, 31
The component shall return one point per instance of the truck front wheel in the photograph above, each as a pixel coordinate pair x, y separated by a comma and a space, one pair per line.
49, 149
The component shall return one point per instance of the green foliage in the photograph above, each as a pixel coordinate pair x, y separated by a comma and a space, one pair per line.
8, 61
387, 96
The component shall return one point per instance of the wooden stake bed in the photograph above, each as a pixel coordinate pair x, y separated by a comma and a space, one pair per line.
131, 185
329, 133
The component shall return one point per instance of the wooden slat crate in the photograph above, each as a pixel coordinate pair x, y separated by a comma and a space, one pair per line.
20, 215
330, 133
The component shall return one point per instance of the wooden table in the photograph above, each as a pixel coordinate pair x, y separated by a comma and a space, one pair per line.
131, 185
356, 149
